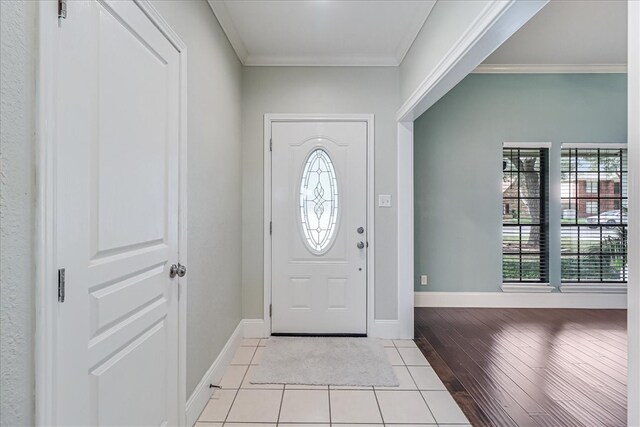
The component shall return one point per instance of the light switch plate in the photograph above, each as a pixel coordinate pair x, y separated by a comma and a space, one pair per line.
384, 200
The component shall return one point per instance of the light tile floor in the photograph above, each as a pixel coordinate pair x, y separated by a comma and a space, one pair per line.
421, 399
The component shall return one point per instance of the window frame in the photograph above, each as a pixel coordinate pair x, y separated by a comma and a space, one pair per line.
591, 285
543, 284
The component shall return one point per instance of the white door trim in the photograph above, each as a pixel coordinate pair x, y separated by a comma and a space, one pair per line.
268, 120
633, 287
405, 327
45, 238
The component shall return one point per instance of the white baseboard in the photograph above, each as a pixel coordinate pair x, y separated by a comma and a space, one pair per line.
519, 300
387, 329
201, 395
254, 328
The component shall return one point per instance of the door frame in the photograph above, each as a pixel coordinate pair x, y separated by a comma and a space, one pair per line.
46, 301
495, 24
633, 142
273, 118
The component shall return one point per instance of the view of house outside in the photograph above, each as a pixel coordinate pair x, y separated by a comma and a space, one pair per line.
593, 188
594, 215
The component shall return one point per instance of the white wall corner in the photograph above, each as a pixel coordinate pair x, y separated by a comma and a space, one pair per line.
520, 300
633, 313
254, 328
223, 16
405, 236
387, 329
202, 393
411, 35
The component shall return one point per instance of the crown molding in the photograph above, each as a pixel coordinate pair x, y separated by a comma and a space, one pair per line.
221, 13
550, 68
319, 61
394, 59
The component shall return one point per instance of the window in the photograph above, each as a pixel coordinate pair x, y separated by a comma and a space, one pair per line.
591, 186
594, 240
318, 200
524, 219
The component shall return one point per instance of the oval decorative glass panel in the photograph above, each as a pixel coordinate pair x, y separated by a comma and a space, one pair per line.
318, 200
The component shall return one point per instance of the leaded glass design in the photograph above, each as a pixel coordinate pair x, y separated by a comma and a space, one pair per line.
318, 200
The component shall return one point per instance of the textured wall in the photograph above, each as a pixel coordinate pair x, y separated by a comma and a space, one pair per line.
362, 90
457, 160
214, 183
17, 46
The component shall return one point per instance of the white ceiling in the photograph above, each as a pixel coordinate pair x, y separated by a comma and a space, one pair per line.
569, 32
321, 32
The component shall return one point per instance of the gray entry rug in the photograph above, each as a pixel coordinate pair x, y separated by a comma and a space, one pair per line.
325, 361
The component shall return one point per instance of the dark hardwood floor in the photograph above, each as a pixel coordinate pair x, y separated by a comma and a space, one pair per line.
530, 367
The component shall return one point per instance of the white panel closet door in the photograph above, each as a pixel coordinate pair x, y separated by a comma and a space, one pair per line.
117, 218
319, 214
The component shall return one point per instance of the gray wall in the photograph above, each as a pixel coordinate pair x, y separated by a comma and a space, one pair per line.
319, 90
17, 178
214, 305
214, 108
458, 152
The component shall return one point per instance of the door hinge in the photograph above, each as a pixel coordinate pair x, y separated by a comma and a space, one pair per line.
270, 144
62, 9
61, 284
270, 310
270, 228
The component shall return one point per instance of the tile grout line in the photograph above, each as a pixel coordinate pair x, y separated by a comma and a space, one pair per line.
420, 391
237, 391
376, 395
250, 360
414, 381
284, 388
329, 396
231, 406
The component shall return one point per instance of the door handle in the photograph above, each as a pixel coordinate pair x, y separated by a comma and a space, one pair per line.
360, 245
177, 270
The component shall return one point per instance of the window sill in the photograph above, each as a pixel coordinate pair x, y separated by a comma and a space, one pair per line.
602, 288
527, 287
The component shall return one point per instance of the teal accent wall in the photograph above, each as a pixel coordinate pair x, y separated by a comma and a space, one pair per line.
458, 165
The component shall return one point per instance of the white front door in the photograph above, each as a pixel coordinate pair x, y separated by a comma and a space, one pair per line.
319, 237
117, 172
